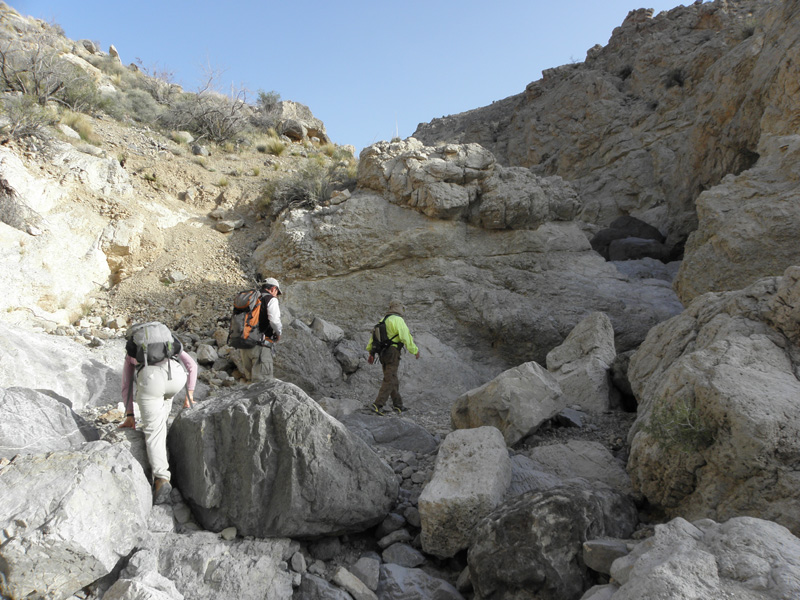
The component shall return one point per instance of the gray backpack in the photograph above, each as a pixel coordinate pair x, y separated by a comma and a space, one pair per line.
151, 343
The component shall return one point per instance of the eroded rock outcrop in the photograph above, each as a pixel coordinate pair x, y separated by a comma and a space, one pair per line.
718, 427
463, 182
487, 299
669, 107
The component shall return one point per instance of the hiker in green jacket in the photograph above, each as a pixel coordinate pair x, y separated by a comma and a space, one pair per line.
388, 351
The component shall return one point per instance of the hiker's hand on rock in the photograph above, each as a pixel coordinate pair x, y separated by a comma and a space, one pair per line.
417, 355
188, 402
128, 423
371, 359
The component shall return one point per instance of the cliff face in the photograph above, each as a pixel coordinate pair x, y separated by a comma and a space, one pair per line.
670, 106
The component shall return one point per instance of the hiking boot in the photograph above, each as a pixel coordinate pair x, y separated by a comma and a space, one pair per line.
377, 409
399, 409
161, 491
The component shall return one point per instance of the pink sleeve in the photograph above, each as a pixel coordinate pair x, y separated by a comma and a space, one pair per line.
128, 369
191, 369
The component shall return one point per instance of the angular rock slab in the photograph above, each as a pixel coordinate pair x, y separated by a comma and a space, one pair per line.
67, 518
35, 423
581, 364
530, 547
472, 474
269, 461
56, 366
203, 566
741, 558
516, 402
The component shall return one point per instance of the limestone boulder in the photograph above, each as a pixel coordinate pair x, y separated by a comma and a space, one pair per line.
747, 226
269, 461
287, 111
530, 546
400, 434
470, 479
402, 582
516, 402
582, 459
527, 476
740, 558
718, 422
582, 363
462, 181
327, 332
59, 367
204, 566
69, 518
34, 423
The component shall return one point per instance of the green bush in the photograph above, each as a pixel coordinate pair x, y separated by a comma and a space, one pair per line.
680, 426
309, 187
272, 145
27, 118
207, 115
135, 104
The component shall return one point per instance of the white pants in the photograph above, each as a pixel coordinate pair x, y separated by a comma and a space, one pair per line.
154, 393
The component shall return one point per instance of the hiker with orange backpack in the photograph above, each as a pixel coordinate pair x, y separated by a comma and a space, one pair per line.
388, 338
256, 327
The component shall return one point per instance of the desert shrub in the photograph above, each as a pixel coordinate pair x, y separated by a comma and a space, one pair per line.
328, 149
135, 104
260, 117
157, 82
207, 115
34, 67
81, 124
266, 101
309, 187
680, 426
27, 118
271, 145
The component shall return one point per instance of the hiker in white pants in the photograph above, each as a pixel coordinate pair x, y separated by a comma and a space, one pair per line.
154, 393
156, 385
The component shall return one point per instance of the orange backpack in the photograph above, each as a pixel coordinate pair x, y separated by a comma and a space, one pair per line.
244, 331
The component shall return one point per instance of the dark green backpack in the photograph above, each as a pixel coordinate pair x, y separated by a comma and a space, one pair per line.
380, 338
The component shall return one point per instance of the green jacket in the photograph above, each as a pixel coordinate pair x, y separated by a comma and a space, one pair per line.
397, 330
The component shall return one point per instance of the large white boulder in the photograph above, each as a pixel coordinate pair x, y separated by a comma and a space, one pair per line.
471, 476
68, 518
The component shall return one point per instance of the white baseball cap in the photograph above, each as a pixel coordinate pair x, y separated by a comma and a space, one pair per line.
269, 282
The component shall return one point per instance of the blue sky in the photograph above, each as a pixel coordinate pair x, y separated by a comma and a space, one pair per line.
369, 69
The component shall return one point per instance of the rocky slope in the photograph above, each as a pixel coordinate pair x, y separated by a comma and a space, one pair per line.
523, 324
650, 123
